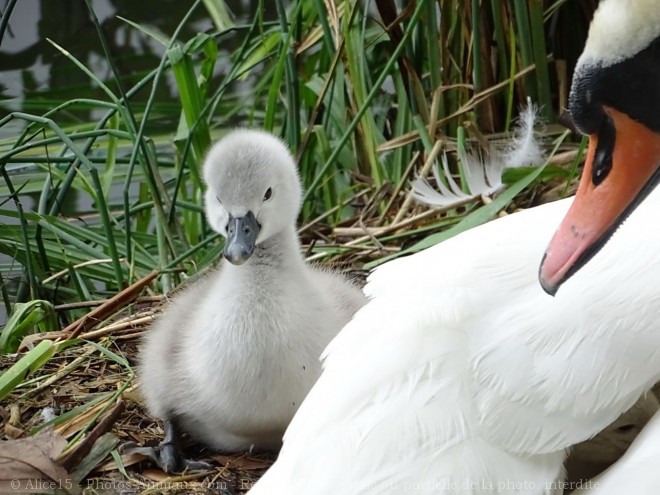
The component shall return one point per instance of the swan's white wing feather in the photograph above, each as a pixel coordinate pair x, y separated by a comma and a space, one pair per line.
461, 367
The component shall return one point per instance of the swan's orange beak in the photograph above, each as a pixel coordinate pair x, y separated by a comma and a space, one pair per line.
599, 209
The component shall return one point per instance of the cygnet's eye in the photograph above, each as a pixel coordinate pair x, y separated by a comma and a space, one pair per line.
268, 194
219, 201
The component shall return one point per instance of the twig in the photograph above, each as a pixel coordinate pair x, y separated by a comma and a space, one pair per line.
79, 265
29, 341
358, 249
425, 169
331, 211
563, 158
399, 186
108, 308
357, 231
411, 220
98, 302
413, 136
116, 327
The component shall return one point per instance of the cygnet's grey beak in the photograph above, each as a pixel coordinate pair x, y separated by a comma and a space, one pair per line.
241, 235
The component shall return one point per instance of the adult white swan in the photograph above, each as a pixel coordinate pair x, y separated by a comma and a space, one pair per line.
461, 376
615, 99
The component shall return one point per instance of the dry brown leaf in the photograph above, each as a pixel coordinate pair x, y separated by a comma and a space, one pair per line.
14, 415
245, 463
27, 465
156, 475
13, 432
77, 423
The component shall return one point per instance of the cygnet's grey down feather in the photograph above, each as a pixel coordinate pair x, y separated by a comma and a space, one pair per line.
233, 356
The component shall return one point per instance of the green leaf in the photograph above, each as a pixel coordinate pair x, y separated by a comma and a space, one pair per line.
25, 366
156, 34
25, 318
220, 14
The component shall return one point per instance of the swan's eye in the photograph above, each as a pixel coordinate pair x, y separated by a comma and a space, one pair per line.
268, 194
218, 199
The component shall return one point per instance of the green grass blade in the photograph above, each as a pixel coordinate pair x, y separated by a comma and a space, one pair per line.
25, 366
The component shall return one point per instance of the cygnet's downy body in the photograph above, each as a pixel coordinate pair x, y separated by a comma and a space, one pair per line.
234, 355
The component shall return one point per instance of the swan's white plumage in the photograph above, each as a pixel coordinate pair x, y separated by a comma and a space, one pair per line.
590, 458
461, 369
619, 30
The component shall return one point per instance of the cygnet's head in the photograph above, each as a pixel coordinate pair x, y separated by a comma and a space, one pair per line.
253, 190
